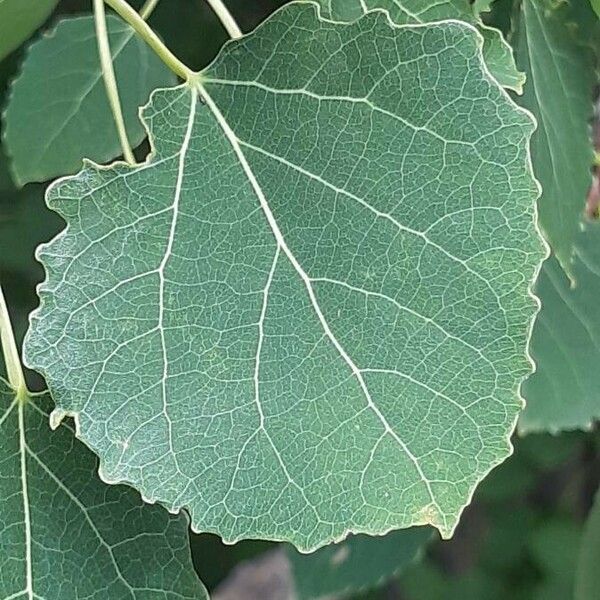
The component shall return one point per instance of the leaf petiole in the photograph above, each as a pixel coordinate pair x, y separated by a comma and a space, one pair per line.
226, 18
148, 9
127, 13
110, 81
14, 370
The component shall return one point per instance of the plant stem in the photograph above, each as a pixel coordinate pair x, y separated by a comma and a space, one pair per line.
148, 9
14, 370
226, 18
110, 81
147, 34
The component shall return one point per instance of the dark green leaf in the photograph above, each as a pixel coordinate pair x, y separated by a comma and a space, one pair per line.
19, 19
307, 313
564, 391
65, 534
358, 563
58, 112
560, 80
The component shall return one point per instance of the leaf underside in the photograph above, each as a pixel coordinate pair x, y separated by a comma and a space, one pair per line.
306, 314
564, 391
65, 534
58, 112
497, 53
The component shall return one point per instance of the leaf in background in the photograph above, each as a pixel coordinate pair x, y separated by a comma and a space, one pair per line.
356, 564
496, 51
58, 113
554, 547
19, 19
25, 222
307, 313
560, 79
587, 582
596, 6
428, 582
65, 534
564, 391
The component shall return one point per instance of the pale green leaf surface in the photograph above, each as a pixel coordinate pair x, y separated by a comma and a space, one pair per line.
65, 534
496, 51
587, 581
19, 19
564, 391
559, 92
596, 6
307, 313
356, 564
58, 112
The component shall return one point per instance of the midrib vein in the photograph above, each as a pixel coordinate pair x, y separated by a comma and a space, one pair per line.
417, 233
26, 509
86, 516
236, 146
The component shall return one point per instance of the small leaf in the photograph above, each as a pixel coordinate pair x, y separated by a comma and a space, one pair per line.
19, 19
58, 112
559, 91
65, 534
596, 6
587, 581
357, 564
496, 51
564, 391
307, 313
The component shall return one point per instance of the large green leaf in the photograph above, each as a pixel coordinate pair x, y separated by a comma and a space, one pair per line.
306, 314
496, 51
65, 534
356, 564
587, 582
19, 19
564, 391
559, 92
58, 112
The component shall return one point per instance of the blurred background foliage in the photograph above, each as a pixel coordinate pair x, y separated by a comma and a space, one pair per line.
519, 539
